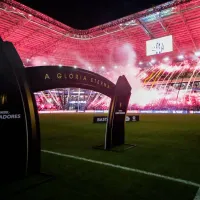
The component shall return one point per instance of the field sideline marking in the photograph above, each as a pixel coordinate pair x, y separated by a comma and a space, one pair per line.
126, 169
197, 197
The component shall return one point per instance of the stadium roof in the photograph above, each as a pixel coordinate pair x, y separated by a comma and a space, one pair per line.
41, 39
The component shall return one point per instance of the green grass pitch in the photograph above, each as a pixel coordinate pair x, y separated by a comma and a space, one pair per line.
165, 144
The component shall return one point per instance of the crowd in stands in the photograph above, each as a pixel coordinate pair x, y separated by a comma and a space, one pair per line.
177, 82
188, 103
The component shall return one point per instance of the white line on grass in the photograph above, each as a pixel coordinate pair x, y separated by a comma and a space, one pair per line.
126, 168
197, 197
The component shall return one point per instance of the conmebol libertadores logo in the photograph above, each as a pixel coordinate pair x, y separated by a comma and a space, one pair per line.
7, 115
3, 99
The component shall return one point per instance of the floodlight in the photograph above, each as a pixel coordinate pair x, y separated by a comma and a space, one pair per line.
197, 53
166, 59
180, 57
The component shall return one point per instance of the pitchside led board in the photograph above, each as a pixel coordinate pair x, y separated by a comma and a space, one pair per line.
19, 121
104, 119
159, 45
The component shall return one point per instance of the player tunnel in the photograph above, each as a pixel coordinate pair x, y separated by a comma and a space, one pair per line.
51, 77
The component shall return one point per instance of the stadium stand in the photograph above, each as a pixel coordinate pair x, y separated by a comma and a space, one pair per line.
163, 81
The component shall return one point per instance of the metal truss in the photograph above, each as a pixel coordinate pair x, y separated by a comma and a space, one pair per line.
146, 30
188, 30
105, 26
166, 29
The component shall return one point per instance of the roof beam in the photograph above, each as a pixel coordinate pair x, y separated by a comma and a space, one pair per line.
145, 29
188, 30
166, 29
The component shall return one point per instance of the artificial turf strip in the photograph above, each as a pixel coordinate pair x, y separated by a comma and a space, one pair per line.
166, 144
79, 180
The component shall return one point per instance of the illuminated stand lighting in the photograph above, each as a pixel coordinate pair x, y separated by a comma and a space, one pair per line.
103, 69
197, 53
50, 100
140, 63
180, 57
166, 59
153, 61
115, 67
79, 93
60, 65
75, 66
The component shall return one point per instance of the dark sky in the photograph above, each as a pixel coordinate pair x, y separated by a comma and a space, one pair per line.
84, 14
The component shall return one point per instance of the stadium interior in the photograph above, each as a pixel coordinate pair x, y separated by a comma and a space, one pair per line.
158, 51
160, 81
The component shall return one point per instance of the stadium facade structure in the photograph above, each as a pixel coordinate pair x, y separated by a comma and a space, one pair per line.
113, 48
